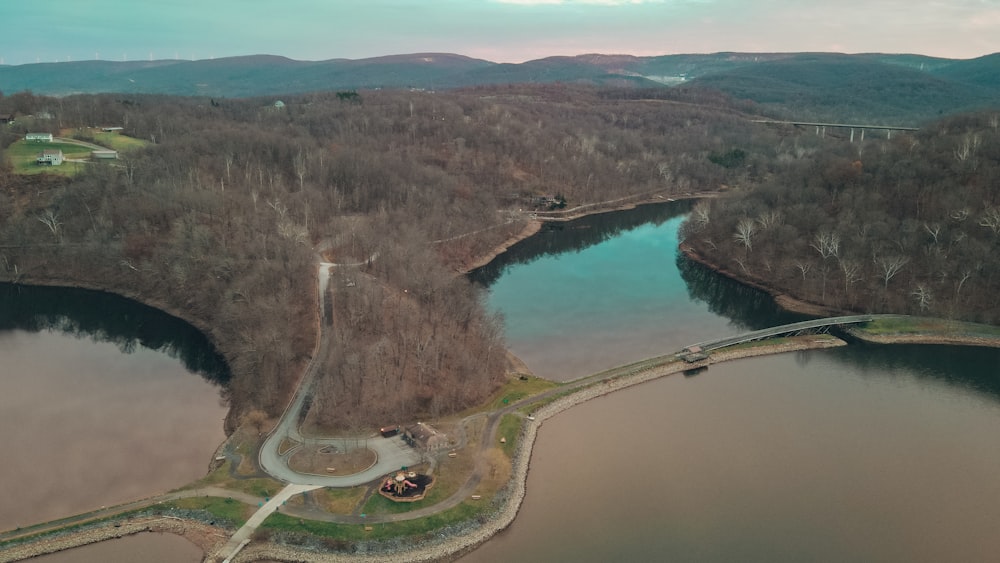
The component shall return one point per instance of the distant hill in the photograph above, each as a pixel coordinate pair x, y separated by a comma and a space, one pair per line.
902, 88
983, 71
861, 88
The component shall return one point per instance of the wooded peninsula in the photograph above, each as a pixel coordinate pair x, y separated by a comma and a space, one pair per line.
222, 211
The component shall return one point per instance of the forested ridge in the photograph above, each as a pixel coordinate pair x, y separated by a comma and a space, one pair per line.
907, 225
222, 216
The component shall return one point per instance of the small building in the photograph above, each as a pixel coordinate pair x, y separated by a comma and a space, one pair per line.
38, 137
50, 158
103, 155
425, 437
112, 129
6, 118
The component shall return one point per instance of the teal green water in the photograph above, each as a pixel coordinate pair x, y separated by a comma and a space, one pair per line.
623, 299
861, 453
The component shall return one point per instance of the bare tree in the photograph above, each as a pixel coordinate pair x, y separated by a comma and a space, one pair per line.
804, 268
923, 295
827, 243
967, 148
852, 274
934, 230
889, 266
768, 219
299, 162
745, 231
700, 214
991, 219
51, 220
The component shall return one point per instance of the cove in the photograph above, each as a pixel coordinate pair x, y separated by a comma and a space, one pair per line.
883, 453
103, 400
614, 284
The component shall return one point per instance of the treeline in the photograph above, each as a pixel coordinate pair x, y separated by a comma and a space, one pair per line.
908, 225
221, 216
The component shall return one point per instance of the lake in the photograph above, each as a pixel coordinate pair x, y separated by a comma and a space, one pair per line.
883, 453
99, 402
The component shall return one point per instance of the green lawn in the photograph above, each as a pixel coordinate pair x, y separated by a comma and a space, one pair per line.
928, 326
22, 155
516, 389
117, 141
232, 511
510, 428
354, 532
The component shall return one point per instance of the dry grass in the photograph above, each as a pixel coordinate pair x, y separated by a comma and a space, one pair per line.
286, 445
318, 460
498, 471
339, 501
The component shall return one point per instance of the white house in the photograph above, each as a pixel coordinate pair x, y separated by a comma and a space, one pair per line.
38, 137
50, 158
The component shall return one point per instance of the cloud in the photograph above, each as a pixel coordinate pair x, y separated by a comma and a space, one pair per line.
987, 19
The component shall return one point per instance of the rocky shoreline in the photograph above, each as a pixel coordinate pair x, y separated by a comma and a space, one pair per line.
203, 535
461, 539
453, 547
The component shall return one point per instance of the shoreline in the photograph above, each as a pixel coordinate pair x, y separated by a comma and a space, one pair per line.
450, 548
206, 537
455, 546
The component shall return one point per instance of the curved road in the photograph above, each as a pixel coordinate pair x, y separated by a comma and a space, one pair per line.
392, 453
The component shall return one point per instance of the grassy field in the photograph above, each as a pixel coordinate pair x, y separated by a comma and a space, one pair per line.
929, 326
260, 487
113, 140
510, 428
516, 389
339, 501
22, 155
354, 532
229, 510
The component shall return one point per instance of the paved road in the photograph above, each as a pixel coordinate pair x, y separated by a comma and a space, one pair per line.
392, 453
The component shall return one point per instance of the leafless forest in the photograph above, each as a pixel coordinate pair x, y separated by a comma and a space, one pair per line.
907, 225
223, 217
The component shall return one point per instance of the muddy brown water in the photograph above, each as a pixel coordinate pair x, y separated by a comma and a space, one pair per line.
816, 456
87, 425
863, 453
140, 548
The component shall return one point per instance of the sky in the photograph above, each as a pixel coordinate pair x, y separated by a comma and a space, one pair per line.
495, 30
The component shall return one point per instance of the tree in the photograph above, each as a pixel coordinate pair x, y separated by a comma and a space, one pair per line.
50, 219
923, 295
745, 231
889, 266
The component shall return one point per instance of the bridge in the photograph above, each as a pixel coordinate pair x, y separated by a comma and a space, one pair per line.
696, 352
821, 127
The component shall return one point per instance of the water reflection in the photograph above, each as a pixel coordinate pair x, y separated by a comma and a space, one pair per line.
968, 368
105, 317
878, 453
577, 235
746, 307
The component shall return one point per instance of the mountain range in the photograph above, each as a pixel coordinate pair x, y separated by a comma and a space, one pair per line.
815, 85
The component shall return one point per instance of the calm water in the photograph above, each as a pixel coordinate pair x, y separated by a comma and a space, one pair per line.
94, 414
622, 296
141, 548
805, 457
857, 454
